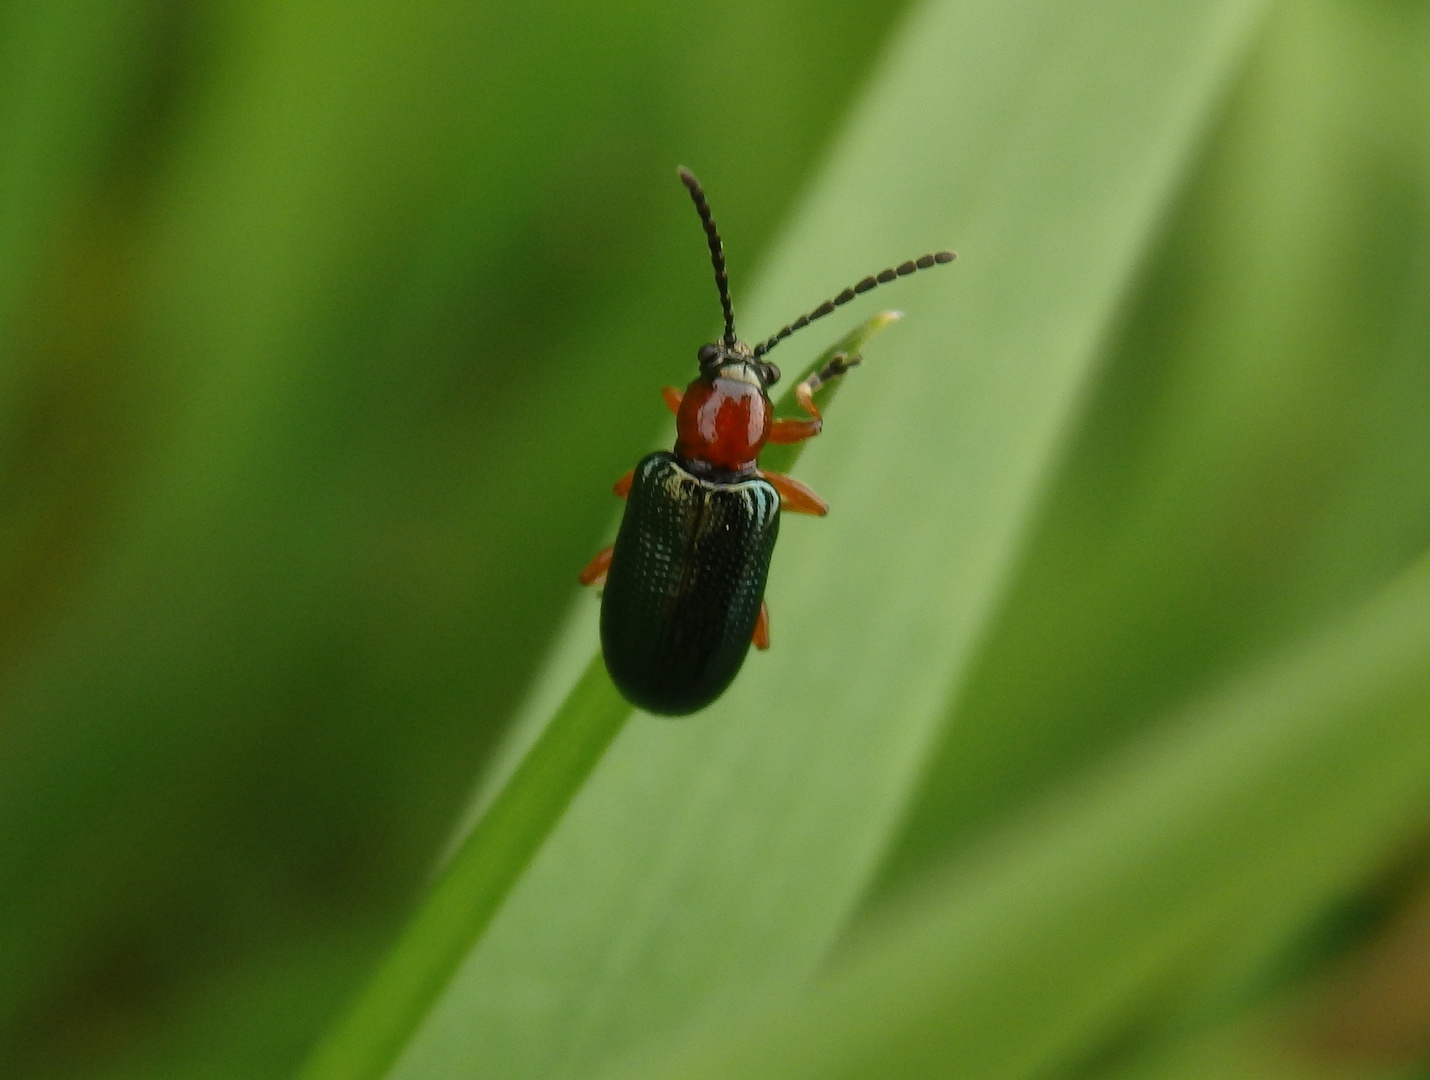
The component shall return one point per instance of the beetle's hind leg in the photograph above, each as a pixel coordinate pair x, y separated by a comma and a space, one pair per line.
796, 496
791, 431
761, 638
596, 569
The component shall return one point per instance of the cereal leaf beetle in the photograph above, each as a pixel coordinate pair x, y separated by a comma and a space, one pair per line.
685, 580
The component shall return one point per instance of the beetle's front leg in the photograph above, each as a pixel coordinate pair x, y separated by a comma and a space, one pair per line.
672, 397
796, 496
595, 572
792, 431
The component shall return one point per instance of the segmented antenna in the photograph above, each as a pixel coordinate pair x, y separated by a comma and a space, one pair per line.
717, 251
873, 280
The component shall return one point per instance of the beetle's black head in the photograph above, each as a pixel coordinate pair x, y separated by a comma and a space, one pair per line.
719, 359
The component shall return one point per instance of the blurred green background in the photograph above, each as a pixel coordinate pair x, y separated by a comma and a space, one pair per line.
325, 328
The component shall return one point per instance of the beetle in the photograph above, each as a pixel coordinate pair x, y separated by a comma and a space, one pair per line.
685, 580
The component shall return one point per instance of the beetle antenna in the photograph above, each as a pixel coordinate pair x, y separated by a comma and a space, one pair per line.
938, 258
717, 251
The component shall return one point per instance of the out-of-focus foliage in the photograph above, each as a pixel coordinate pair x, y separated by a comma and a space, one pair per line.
323, 331
1095, 738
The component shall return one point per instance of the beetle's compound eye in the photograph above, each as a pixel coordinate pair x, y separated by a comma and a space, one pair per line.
708, 354
771, 374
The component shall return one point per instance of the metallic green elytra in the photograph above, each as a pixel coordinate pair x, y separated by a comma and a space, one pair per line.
685, 584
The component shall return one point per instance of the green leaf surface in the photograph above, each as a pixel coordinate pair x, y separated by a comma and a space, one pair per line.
736, 844
1253, 460
506, 833
1281, 789
475, 883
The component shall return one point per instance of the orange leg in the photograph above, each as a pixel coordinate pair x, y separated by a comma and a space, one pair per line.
761, 638
795, 496
595, 572
790, 431
672, 398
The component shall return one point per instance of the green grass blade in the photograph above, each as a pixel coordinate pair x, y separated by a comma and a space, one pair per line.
475, 882
1268, 798
489, 861
734, 845
1253, 458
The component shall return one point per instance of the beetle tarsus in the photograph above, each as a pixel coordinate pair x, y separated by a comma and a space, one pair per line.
761, 638
839, 364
